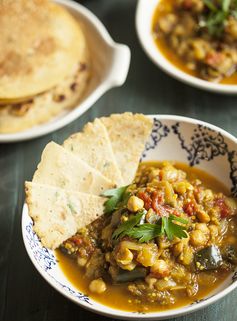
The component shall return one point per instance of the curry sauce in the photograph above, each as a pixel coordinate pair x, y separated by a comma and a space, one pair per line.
191, 281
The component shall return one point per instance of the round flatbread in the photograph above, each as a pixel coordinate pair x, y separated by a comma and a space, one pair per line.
43, 107
40, 43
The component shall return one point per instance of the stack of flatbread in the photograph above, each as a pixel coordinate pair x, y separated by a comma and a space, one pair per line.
65, 193
44, 63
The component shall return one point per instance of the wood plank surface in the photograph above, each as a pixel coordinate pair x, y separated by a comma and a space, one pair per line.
24, 295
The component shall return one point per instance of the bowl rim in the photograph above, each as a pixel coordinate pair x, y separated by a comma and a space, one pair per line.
164, 64
117, 78
121, 314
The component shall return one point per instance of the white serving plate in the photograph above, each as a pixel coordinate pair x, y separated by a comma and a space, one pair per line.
144, 16
173, 138
110, 64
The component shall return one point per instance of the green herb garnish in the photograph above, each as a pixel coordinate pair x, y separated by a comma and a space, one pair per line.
71, 207
217, 13
171, 229
128, 225
117, 195
146, 232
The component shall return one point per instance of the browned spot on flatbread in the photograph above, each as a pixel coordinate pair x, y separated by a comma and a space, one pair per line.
13, 64
63, 216
46, 46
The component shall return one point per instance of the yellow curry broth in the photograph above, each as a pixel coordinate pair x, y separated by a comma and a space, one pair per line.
164, 7
117, 296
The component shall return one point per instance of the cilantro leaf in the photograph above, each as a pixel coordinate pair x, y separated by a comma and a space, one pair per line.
178, 219
116, 195
126, 226
171, 229
226, 5
216, 15
145, 232
210, 5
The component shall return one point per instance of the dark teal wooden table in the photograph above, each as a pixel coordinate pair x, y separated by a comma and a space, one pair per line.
24, 295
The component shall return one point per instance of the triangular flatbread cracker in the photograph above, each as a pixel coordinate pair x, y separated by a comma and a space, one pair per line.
94, 147
58, 214
60, 168
128, 134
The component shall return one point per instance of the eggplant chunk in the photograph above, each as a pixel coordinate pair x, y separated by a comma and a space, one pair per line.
129, 276
208, 258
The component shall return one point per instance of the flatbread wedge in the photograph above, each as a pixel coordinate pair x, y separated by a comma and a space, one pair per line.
41, 108
128, 134
60, 168
58, 214
41, 43
94, 147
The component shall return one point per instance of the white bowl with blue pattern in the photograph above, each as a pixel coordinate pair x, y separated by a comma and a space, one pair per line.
173, 138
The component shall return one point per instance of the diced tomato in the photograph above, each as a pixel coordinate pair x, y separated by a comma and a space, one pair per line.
214, 58
188, 4
157, 200
146, 198
171, 210
224, 209
189, 208
77, 240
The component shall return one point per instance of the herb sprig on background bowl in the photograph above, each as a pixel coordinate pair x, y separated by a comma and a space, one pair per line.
217, 14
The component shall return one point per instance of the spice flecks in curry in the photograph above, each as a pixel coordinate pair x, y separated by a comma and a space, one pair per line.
167, 240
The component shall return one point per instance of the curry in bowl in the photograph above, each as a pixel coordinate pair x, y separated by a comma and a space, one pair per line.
133, 236
199, 37
166, 240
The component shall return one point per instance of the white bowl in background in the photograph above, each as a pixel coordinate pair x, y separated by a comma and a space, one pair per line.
110, 65
173, 138
144, 17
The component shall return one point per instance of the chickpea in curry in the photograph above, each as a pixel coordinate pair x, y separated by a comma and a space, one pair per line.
199, 37
166, 240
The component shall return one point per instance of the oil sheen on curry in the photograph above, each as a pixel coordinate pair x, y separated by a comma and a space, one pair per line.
199, 37
165, 241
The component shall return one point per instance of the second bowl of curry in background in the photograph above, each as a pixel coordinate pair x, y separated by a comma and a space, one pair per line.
193, 41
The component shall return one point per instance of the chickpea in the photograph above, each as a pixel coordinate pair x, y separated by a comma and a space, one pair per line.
135, 204
179, 247
214, 230
167, 23
81, 261
198, 238
150, 280
208, 195
203, 216
124, 256
202, 227
154, 174
128, 267
160, 269
182, 187
97, 286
